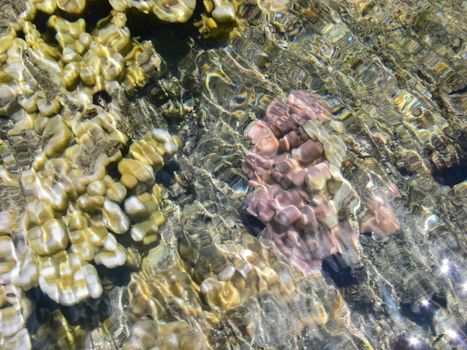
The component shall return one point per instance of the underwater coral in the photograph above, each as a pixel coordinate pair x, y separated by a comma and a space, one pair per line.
129, 195
80, 186
307, 206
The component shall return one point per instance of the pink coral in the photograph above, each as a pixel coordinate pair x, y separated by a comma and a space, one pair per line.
289, 172
300, 195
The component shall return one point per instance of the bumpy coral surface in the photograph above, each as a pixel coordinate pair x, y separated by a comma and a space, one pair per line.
201, 291
215, 13
309, 209
82, 182
74, 207
15, 309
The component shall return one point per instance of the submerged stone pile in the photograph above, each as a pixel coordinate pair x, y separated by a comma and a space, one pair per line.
308, 207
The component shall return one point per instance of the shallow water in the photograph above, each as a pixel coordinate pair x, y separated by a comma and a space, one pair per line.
214, 277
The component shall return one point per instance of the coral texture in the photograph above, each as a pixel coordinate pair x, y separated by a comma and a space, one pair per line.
169, 11
203, 289
308, 207
15, 309
74, 179
74, 206
215, 13
392, 72
216, 17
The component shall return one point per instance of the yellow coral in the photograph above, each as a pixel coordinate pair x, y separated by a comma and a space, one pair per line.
90, 196
72, 6
14, 311
74, 208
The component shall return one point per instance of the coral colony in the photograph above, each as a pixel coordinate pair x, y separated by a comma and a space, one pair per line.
308, 208
74, 207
